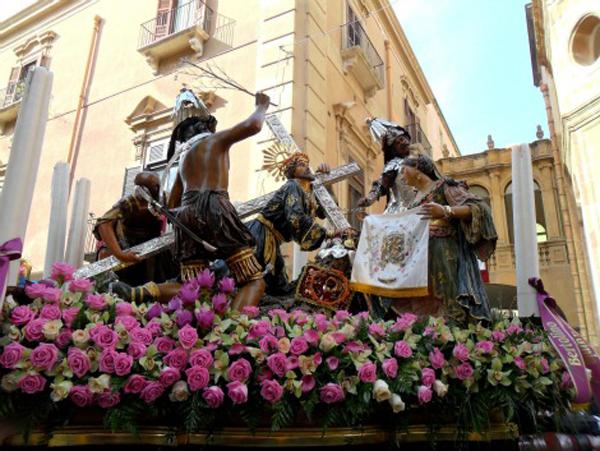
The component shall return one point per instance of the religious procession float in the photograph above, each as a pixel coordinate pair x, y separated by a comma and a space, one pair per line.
386, 337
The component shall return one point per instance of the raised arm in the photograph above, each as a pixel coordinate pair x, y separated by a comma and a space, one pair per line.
250, 126
380, 187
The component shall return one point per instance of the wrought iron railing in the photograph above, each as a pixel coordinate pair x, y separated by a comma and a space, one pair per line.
356, 36
12, 94
183, 17
418, 136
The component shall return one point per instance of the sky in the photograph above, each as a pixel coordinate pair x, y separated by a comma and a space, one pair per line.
475, 55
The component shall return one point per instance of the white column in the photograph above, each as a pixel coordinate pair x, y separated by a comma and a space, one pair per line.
78, 225
57, 229
526, 251
24, 161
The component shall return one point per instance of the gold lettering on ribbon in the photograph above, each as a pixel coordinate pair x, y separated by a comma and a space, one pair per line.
555, 332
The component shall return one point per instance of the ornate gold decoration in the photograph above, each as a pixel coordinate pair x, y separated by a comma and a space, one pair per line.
273, 158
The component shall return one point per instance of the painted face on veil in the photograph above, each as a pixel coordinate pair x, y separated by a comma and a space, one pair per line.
409, 175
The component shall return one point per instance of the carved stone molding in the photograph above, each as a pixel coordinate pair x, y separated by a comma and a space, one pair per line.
43, 41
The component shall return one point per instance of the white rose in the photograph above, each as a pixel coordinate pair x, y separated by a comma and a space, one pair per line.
349, 331
99, 384
61, 390
80, 337
51, 329
14, 333
397, 403
381, 391
179, 392
327, 343
440, 388
9, 382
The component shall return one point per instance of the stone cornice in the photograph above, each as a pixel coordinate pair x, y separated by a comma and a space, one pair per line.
30, 15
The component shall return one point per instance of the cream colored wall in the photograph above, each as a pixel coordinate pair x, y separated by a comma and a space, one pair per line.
575, 98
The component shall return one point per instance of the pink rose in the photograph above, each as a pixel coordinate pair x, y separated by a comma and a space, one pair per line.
154, 327
123, 364
427, 377
339, 337
94, 301
213, 396
104, 337
124, 309
424, 394
404, 322
268, 344
258, 329
220, 303
108, 399
206, 279
32, 383
69, 315
237, 392
368, 372
227, 285
201, 357
81, 396
292, 362
307, 383
141, 335
463, 371
251, 311
240, 370
135, 384
106, 361
544, 365
520, 363
197, 377
353, 346
164, 344
12, 354
311, 336
177, 358
62, 272
64, 338
332, 393
402, 349
513, 329
279, 313
484, 347
78, 361
21, 314
390, 368
436, 358
128, 322
271, 391
52, 294
188, 336
152, 391
136, 350
376, 330
332, 363
299, 317
461, 352
50, 312
277, 363
321, 322
298, 346
34, 330
35, 290
342, 315
279, 331
44, 356
80, 286
205, 318
168, 376
236, 349
498, 335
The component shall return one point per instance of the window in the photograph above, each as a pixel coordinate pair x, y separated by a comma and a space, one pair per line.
540, 218
585, 41
356, 189
156, 152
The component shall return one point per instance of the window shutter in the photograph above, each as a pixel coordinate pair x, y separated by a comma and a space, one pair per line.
156, 152
163, 18
130, 174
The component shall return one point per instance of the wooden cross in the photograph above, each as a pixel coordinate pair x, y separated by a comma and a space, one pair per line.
245, 209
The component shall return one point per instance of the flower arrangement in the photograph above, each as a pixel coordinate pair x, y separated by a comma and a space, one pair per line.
194, 362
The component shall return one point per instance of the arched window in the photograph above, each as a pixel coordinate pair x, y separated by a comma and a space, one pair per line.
540, 218
585, 41
480, 191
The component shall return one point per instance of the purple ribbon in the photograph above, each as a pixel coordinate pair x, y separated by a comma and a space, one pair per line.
10, 250
574, 351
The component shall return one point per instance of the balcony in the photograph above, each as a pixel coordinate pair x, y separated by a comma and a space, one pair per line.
419, 140
361, 59
181, 29
10, 99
